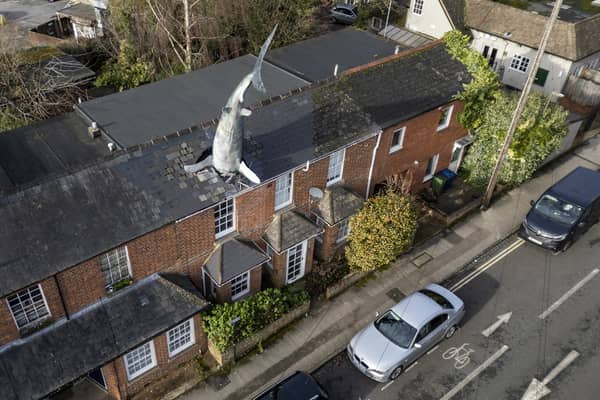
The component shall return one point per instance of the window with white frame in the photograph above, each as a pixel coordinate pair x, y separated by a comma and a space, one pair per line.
418, 7
343, 230
115, 266
295, 262
431, 167
140, 360
28, 306
321, 225
240, 285
224, 218
283, 191
397, 139
181, 337
336, 167
445, 118
519, 63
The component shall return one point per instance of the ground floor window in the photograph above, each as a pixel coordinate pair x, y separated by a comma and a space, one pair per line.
343, 230
140, 360
240, 285
181, 337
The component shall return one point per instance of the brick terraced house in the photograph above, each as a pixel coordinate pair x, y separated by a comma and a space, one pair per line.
107, 262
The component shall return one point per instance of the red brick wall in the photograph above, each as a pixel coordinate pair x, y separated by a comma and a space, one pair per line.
53, 298
357, 163
278, 271
255, 280
8, 328
316, 176
328, 247
82, 285
153, 252
421, 142
195, 236
254, 210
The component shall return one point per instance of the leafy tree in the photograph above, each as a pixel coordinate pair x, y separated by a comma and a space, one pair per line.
381, 231
540, 130
484, 87
127, 72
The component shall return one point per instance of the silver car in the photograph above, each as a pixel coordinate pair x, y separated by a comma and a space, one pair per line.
402, 334
343, 13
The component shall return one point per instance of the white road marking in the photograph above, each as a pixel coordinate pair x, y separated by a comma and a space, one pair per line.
570, 293
502, 319
386, 385
475, 373
536, 389
432, 350
411, 367
488, 264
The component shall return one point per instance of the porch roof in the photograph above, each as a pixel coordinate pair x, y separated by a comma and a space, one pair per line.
337, 204
289, 228
232, 258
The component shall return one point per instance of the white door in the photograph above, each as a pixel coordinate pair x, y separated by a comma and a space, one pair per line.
296, 260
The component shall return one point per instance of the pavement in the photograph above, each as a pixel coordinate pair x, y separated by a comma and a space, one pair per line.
329, 326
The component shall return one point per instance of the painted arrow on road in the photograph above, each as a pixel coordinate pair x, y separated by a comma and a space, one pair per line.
537, 389
502, 319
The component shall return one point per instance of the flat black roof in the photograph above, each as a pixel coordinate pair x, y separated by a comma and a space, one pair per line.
158, 109
315, 59
581, 186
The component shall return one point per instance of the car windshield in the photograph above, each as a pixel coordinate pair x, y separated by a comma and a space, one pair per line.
395, 329
558, 210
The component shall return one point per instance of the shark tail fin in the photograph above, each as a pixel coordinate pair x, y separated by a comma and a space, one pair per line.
256, 74
248, 173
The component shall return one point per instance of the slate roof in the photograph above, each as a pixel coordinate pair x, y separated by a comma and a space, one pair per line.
289, 228
47, 148
315, 59
569, 40
455, 9
408, 84
81, 11
32, 367
232, 258
337, 204
157, 109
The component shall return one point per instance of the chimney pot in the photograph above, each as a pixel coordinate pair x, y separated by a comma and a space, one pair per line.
111, 147
93, 130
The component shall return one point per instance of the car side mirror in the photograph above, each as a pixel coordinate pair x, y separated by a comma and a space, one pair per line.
417, 345
531, 203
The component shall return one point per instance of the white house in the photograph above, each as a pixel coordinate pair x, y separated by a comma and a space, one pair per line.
435, 17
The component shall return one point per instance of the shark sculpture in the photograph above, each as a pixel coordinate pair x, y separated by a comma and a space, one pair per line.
227, 145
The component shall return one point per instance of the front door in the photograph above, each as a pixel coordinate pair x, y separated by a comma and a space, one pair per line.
296, 259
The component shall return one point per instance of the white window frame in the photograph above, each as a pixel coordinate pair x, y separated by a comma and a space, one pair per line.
302, 265
287, 179
519, 62
321, 224
418, 5
130, 274
401, 132
175, 331
446, 122
336, 175
435, 159
146, 368
345, 225
217, 224
39, 318
243, 279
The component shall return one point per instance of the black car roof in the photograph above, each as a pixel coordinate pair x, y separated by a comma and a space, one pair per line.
581, 186
300, 386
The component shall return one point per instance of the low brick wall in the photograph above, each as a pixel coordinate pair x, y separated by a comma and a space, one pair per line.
344, 284
242, 348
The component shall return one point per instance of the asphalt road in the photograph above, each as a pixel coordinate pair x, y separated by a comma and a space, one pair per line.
555, 312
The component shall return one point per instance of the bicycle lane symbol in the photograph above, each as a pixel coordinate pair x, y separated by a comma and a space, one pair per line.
459, 354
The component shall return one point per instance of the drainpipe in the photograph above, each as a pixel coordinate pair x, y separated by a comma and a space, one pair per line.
373, 164
62, 300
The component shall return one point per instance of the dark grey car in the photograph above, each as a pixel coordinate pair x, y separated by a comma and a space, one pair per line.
344, 13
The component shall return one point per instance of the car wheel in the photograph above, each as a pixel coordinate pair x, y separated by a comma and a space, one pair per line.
397, 372
451, 331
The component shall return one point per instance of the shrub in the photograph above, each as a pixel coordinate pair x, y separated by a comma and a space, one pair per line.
252, 314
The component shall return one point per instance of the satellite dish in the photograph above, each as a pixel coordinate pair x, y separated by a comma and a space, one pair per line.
315, 192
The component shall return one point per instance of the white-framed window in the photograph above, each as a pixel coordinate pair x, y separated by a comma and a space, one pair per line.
240, 285
224, 218
336, 167
115, 266
445, 118
397, 139
283, 190
431, 167
321, 224
181, 337
140, 360
519, 63
296, 257
343, 230
28, 306
418, 7
376, 23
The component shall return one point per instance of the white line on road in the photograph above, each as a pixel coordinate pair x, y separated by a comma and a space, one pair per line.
475, 372
411, 367
432, 350
488, 264
536, 389
562, 365
570, 293
386, 385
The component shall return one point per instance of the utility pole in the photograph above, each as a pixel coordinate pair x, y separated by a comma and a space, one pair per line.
520, 105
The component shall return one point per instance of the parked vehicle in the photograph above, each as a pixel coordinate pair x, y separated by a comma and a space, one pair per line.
299, 386
387, 346
565, 211
344, 13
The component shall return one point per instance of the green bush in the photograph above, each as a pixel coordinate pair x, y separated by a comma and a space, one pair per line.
254, 314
